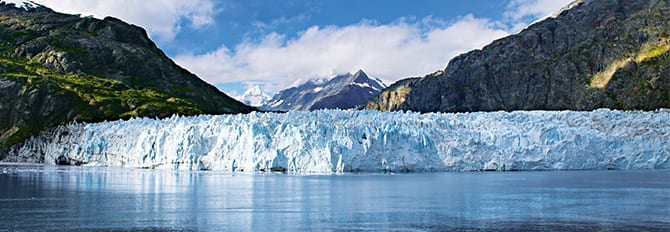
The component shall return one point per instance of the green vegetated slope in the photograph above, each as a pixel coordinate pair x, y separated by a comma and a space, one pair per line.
57, 68
598, 54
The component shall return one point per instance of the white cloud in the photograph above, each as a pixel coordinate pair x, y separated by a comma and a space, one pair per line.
392, 52
519, 9
520, 13
160, 17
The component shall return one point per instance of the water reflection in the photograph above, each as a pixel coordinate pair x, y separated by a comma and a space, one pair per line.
38, 197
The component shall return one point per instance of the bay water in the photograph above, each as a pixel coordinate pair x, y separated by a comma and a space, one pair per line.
38, 198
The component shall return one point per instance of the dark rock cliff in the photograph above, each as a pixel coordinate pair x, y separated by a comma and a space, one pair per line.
598, 54
56, 68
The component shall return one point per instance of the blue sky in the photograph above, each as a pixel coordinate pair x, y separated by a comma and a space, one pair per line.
252, 19
276, 44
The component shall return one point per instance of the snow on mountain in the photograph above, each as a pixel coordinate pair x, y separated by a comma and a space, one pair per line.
365, 141
568, 7
571, 5
26, 5
254, 96
341, 92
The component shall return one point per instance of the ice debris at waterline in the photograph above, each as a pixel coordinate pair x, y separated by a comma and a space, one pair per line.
365, 141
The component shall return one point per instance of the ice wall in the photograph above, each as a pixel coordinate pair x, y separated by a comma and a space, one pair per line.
366, 141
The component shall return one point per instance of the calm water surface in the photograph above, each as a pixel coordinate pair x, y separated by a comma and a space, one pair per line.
37, 198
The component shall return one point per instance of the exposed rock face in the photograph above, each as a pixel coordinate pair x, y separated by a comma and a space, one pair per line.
347, 91
598, 54
56, 68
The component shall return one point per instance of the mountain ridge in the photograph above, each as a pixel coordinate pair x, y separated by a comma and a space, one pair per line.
596, 54
347, 91
57, 68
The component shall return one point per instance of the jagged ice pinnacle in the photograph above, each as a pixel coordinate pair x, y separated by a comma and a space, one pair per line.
366, 141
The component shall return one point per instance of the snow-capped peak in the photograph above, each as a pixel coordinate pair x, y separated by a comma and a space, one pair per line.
345, 91
572, 4
26, 5
254, 90
568, 7
254, 96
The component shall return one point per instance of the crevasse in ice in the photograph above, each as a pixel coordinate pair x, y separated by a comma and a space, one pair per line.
366, 141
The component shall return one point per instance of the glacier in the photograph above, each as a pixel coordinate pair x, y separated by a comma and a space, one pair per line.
334, 141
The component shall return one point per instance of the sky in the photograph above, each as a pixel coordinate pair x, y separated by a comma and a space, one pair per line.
234, 44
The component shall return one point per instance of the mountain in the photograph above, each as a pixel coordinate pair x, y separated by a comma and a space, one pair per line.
595, 54
57, 68
254, 96
341, 92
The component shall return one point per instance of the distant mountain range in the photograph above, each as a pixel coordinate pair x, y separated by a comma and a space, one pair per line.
347, 91
254, 96
594, 54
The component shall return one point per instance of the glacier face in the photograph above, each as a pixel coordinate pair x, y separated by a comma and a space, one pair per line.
365, 141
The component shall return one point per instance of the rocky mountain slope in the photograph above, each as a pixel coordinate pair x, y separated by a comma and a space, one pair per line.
342, 92
606, 53
254, 96
57, 68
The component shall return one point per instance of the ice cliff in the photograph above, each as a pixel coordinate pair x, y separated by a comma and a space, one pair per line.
365, 141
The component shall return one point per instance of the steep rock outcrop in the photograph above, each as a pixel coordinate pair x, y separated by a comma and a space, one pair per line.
57, 68
597, 54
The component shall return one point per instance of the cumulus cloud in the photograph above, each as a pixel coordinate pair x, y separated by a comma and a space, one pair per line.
391, 51
162, 18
